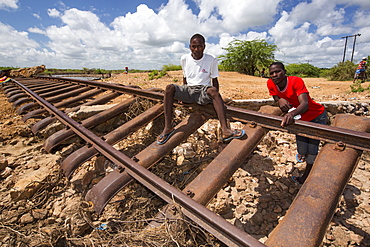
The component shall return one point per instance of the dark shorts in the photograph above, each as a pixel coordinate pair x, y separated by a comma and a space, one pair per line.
192, 94
310, 147
358, 71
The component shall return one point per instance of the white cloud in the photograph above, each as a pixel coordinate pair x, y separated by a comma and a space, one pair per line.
37, 16
8, 4
53, 13
17, 49
35, 30
238, 15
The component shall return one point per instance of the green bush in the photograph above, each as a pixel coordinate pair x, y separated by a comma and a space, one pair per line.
155, 74
343, 71
171, 67
303, 70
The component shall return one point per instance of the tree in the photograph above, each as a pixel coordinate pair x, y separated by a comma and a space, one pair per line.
247, 57
342, 71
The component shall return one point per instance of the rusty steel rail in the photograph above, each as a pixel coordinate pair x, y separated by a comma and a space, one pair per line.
351, 138
226, 232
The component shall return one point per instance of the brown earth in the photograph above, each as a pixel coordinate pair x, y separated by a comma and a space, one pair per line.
56, 215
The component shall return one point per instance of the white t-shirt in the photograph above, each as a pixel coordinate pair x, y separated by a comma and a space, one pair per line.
199, 72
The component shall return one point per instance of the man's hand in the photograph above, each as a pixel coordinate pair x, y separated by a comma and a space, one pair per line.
287, 119
284, 105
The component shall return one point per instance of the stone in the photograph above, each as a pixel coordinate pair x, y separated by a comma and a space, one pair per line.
39, 214
240, 183
26, 218
6, 172
281, 186
29, 182
241, 209
3, 162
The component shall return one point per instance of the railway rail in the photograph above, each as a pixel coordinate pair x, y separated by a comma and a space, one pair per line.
50, 99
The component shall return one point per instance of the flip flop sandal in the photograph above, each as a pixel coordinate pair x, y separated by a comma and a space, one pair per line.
297, 158
234, 135
166, 137
296, 180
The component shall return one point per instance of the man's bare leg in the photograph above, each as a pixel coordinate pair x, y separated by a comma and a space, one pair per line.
168, 105
219, 106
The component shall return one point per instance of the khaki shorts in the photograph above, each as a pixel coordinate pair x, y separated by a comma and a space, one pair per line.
192, 94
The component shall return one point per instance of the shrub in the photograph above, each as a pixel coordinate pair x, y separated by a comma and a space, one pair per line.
171, 67
156, 75
343, 71
303, 70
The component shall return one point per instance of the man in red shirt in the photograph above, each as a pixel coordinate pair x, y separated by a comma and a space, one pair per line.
361, 71
292, 97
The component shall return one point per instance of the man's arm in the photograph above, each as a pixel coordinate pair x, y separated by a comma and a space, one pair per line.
283, 104
302, 108
215, 83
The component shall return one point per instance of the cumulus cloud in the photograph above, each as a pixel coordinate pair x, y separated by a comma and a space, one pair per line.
35, 30
53, 13
18, 48
8, 4
236, 16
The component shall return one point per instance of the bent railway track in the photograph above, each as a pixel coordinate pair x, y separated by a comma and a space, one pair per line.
48, 99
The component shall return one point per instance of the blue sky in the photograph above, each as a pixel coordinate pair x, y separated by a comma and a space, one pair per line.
113, 34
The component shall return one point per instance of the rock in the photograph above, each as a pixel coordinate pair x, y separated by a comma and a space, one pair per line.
26, 218
27, 72
223, 207
6, 172
241, 209
281, 186
235, 196
240, 183
29, 182
265, 198
3, 162
39, 214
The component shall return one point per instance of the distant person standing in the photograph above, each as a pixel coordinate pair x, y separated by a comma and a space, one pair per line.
3, 77
292, 97
361, 70
263, 73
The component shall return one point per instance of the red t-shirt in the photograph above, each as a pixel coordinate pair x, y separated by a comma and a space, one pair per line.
295, 87
361, 65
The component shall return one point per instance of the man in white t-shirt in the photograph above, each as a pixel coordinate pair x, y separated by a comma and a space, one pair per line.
200, 85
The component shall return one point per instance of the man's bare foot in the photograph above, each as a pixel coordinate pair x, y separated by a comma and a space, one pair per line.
163, 138
236, 134
300, 158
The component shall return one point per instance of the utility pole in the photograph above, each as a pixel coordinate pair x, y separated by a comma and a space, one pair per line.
345, 45
354, 42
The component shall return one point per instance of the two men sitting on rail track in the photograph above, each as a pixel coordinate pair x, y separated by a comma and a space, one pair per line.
292, 97
200, 85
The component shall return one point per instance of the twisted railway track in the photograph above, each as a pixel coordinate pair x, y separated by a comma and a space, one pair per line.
50, 99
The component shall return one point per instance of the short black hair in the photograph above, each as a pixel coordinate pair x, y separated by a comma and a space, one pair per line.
280, 64
198, 36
